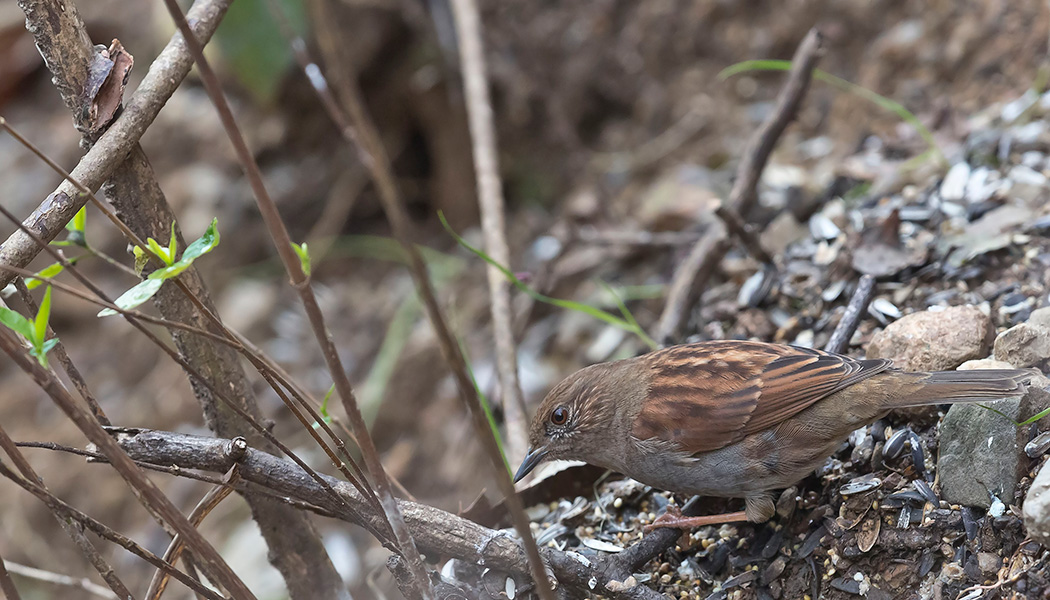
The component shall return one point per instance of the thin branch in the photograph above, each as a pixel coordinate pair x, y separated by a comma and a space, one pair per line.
208, 503
6, 585
279, 235
82, 584
493, 225
693, 273
104, 531
145, 490
175, 471
744, 232
437, 532
857, 308
373, 155
109, 152
86, 547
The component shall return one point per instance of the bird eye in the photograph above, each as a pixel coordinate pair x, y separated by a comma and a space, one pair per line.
560, 415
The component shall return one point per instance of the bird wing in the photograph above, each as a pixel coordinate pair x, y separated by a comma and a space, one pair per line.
708, 395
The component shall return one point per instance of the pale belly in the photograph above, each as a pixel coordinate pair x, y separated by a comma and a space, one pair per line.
761, 462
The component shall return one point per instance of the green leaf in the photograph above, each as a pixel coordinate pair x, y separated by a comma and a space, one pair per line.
304, 257
204, 244
169, 272
42, 317
48, 271
141, 258
173, 245
160, 251
135, 296
201, 245
16, 322
80, 219
324, 409
78, 222
40, 352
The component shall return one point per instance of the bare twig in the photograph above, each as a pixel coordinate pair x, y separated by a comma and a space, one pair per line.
490, 199
211, 388
104, 531
283, 243
744, 232
207, 504
83, 583
437, 532
144, 489
109, 152
858, 306
694, 271
86, 547
373, 155
6, 585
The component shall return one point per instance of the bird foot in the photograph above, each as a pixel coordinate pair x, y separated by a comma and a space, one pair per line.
673, 518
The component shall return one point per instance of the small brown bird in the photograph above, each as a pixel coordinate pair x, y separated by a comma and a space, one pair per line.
733, 418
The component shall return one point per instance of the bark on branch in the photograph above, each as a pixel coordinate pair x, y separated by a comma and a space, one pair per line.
436, 532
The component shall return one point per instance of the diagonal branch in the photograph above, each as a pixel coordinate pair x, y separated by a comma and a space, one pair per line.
437, 532
145, 490
490, 198
373, 154
109, 152
701, 262
283, 243
75, 533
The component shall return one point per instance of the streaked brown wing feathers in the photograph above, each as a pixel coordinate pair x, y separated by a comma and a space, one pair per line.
706, 396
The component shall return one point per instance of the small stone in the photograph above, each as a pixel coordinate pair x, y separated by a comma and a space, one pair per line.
954, 185
1036, 508
989, 563
1040, 317
783, 231
932, 340
1024, 345
1027, 176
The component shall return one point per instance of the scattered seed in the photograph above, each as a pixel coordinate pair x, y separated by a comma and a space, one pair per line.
860, 484
895, 444
927, 492
1038, 446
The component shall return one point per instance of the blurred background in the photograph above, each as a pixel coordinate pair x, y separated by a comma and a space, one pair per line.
616, 138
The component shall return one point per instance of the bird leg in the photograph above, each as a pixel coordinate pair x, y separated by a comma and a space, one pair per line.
672, 518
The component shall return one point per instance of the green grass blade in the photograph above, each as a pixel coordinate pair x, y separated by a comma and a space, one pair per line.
837, 82
483, 399
587, 309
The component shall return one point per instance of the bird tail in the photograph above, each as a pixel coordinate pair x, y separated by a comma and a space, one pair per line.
945, 387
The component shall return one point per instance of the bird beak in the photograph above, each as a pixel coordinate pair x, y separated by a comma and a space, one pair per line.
534, 457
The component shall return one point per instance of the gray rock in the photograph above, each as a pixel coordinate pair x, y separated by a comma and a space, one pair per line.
980, 453
1025, 345
1040, 317
1036, 508
935, 340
